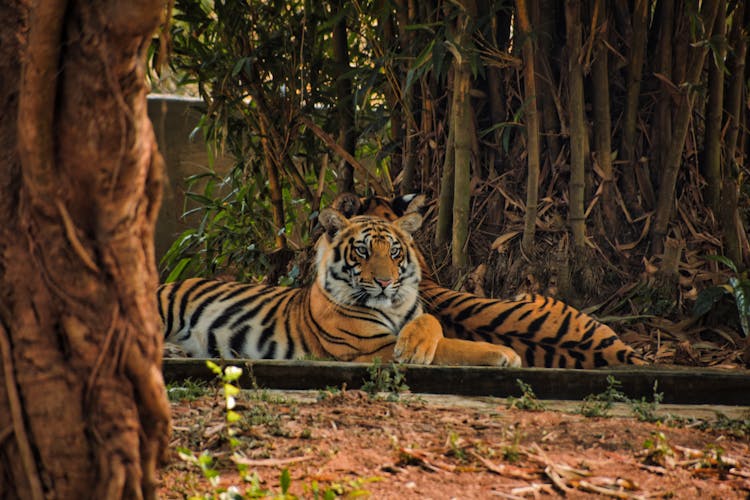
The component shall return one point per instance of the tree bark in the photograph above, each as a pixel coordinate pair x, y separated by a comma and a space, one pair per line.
532, 128
82, 398
683, 112
576, 216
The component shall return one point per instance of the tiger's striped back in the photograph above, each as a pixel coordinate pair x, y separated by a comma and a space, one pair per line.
542, 330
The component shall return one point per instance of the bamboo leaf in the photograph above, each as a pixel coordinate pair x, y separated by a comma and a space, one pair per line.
724, 260
742, 299
178, 269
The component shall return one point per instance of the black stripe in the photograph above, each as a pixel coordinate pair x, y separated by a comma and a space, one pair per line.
237, 341
501, 318
561, 331
599, 360
213, 352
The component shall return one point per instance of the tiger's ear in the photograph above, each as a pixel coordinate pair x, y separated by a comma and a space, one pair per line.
409, 222
332, 221
349, 204
408, 203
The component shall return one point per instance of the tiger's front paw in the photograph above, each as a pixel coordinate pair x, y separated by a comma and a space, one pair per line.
418, 340
469, 352
499, 355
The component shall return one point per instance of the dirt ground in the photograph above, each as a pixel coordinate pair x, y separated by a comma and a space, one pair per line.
345, 444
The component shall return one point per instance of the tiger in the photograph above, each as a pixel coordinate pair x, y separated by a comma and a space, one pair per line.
545, 331
362, 304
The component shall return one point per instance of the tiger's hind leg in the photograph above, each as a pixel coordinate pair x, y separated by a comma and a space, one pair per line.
421, 341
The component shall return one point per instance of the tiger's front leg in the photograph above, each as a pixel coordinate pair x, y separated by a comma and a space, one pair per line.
418, 340
421, 341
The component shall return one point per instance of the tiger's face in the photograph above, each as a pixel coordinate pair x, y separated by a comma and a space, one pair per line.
368, 261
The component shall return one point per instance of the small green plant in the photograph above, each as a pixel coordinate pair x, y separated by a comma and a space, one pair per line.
204, 462
330, 392
644, 410
187, 390
527, 401
454, 443
229, 376
738, 428
599, 405
350, 489
382, 379
737, 286
657, 451
512, 452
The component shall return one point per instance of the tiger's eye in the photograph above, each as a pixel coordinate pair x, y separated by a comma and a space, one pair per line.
395, 252
361, 250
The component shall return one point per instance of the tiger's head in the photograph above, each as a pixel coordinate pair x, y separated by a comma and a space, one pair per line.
368, 261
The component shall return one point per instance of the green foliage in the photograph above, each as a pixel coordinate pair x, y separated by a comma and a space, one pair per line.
599, 405
645, 410
187, 390
737, 287
657, 450
390, 380
229, 377
527, 401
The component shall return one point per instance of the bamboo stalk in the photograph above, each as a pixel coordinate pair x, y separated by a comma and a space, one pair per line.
696, 61
445, 200
630, 114
461, 118
345, 102
603, 121
711, 166
532, 128
577, 218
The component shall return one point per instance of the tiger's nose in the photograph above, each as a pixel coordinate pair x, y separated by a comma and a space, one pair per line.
383, 282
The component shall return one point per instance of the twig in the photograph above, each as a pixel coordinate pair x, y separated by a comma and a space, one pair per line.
503, 470
270, 462
592, 488
14, 401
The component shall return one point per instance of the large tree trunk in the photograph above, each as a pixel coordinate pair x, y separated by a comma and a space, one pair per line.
83, 411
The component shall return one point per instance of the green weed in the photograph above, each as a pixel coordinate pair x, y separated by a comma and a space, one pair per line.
187, 390
599, 405
390, 380
527, 401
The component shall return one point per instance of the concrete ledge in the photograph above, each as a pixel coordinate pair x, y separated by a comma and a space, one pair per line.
680, 385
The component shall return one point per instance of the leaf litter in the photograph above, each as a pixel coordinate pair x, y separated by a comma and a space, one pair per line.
345, 443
